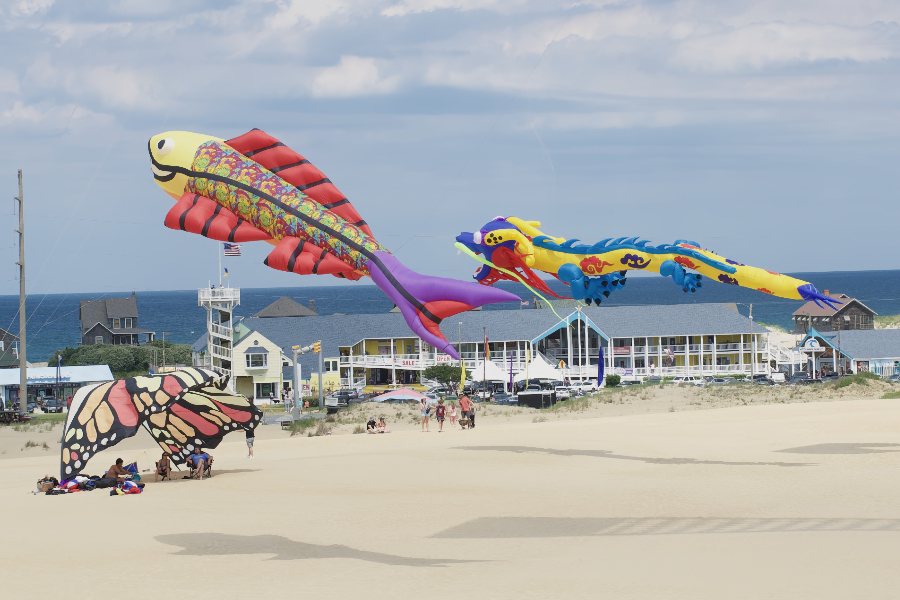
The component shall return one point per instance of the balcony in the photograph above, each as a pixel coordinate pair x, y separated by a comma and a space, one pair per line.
218, 295
220, 351
223, 332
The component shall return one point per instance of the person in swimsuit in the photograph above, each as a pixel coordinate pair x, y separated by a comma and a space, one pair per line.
162, 467
452, 414
117, 472
382, 426
425, 409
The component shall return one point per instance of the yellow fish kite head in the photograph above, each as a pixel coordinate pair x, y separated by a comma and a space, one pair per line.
171, 156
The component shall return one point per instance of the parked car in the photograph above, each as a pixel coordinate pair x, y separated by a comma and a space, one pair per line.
53, 405
502, 398
800, 378
653, 380
717, 381
31, 406
562, 392
687, 379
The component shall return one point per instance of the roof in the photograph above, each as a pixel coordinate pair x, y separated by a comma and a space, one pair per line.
285, 307
100, 311
501, 325
863, 343
811, 309
38, 375
7, 336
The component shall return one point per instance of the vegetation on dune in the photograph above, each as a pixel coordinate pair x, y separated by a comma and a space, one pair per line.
887, 322
891, 396
859, 379
124, 361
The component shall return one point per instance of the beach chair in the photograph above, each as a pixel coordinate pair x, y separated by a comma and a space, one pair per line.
207, 470
168, 474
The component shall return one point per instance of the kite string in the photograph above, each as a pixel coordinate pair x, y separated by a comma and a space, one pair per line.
511, 273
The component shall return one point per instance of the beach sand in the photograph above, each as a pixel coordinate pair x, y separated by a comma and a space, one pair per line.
659, 493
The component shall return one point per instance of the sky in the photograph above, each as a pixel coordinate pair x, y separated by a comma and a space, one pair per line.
766, 131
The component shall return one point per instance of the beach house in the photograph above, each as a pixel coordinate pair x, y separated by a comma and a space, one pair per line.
851, 314
845, 352
112, 321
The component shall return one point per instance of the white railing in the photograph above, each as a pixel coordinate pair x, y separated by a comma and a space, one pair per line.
203, 361
220, 331
704, 370
220, 351
219, 294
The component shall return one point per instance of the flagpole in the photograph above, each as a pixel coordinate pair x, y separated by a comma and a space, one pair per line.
484, 366
219, 246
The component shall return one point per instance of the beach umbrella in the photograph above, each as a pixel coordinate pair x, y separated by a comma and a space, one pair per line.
181, 410
401, 394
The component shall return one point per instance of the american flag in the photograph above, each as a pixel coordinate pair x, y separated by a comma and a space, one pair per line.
232, 249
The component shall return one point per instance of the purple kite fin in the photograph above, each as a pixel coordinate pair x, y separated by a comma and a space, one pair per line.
425, 300
809, 292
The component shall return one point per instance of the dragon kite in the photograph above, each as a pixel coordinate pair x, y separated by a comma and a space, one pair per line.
510, 248
254, 188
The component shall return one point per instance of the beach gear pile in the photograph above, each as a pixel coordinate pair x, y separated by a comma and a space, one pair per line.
50, 486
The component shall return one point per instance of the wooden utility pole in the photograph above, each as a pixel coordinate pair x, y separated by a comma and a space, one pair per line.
23, 363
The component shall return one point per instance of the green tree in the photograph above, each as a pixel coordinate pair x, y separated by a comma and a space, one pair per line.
613, 380
445, 375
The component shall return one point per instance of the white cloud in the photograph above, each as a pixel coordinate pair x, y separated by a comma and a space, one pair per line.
408, 7
353, 76
27, 8
79, 32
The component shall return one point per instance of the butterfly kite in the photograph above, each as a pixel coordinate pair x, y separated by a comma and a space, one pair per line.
181, 410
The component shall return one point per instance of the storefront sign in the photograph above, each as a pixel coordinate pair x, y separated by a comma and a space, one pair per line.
442, 358
622, 350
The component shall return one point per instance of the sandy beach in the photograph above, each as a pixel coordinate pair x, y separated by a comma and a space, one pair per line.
642, 493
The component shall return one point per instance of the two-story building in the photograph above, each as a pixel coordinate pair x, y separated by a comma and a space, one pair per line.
112, 321
9, 350
377, 351
850, 315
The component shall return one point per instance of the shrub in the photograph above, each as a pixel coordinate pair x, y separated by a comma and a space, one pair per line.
859, 378
613, 380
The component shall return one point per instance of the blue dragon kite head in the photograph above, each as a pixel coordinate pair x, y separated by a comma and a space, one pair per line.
475, 243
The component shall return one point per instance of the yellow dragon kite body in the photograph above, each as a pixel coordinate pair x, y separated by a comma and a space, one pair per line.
515, 249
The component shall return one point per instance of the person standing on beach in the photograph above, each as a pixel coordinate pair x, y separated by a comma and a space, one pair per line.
425, 409
471, 415
306, 406
251, 436
464, 404
452, 414
440, 413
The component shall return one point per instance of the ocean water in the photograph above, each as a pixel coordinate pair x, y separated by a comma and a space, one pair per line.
53, 318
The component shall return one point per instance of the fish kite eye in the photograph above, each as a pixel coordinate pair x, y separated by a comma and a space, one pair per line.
165, 146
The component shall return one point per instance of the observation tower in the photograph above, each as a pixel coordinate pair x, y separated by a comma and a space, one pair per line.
219, 304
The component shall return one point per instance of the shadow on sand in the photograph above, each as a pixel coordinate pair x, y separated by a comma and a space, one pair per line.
843, 449
222, 544
550, 527
645, 459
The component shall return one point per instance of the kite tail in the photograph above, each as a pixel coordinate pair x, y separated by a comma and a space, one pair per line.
425, 300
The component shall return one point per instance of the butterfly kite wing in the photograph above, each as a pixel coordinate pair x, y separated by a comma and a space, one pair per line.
201, 418
103, 415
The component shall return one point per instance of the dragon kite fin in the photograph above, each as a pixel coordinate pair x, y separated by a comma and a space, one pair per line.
425, 300
198, 214
304, 258
809, 293
273, 155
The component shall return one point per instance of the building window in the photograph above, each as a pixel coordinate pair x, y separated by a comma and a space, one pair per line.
116, 324
256, 361
2, 347
98, 339
128, 323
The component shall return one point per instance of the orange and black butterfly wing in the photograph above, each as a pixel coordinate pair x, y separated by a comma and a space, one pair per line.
103, 415
201, 418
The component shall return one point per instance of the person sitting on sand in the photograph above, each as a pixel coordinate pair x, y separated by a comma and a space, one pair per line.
198, 460
382, 426
371, 426
117, 472
162, 467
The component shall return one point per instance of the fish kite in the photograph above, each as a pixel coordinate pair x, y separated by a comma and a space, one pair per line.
510, 248
183, 409
254, 188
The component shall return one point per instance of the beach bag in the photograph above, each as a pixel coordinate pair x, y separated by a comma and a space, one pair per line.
105, 482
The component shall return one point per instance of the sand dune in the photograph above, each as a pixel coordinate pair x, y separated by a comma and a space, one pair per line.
622, 500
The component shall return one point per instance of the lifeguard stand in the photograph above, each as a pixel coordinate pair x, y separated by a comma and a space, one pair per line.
219, 304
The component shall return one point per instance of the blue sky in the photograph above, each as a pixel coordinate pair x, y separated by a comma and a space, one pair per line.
766, 131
